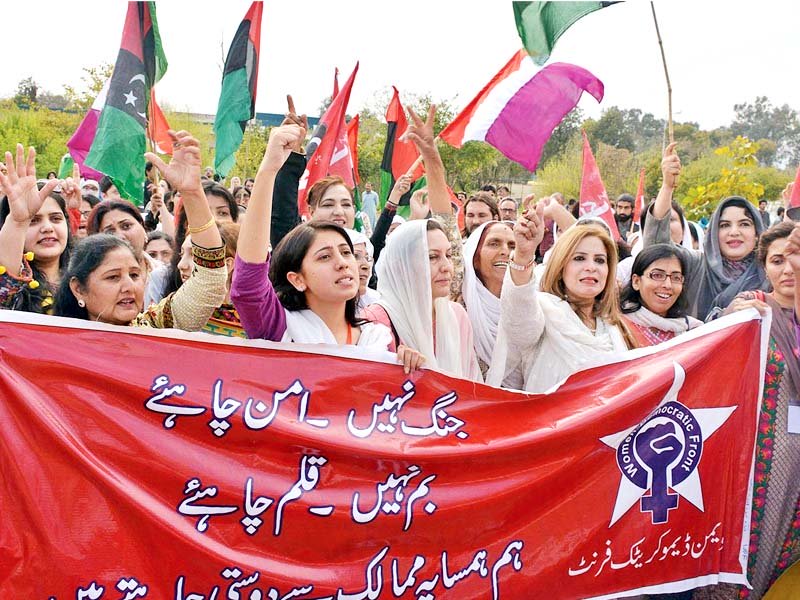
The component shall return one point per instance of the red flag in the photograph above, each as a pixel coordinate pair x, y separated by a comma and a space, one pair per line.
795, 201
639, 206
352, 143
594, 199
458, 208
335, 83
328, 146
157, 127
404, 153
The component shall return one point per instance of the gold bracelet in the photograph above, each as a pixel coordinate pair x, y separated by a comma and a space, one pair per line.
203, 228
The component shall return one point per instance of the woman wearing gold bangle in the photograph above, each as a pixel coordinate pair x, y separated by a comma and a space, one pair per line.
104, 281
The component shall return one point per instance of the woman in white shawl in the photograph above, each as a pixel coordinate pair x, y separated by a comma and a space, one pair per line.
414, 276
654, 303
573, 320
486, 254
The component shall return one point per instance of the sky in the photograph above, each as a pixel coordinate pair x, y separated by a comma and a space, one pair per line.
718, 54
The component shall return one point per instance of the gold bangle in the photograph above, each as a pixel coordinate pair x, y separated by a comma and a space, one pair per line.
203, 228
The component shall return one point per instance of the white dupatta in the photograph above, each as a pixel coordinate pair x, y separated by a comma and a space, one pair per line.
404, 282
305, 327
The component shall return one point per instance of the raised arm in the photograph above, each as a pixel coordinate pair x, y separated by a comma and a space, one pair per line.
285, 215
656, 228
421, 133
24, 201
183, 175
670, 170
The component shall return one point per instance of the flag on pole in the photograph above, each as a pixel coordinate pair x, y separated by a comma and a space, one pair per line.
324, 150
352, 143
342, 158
517, 111
594, 199
119, 144
398, 156
237, 99
540, 24
639, 205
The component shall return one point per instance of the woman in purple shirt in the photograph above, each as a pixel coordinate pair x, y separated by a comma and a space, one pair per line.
309, 292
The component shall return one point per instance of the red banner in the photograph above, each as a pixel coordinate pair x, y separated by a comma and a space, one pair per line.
140, 464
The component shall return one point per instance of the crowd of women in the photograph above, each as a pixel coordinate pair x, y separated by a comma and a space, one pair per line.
479, 308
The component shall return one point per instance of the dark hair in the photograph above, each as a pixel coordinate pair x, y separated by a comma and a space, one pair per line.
737, 202
159, 235
91, 199
776, 232
676, 207
27, 299
105, 184
631, 299
502, 187
248, 179
214, 189
693, 231
780, 211
87, 256
288, 257
105, 207
487, 200
626, 198
489, 188
53, 173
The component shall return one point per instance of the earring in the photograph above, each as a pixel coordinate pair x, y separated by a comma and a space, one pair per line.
81, 303
302, 288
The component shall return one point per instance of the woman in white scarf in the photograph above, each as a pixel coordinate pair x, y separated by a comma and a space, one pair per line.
486, 254
414, 276
654, 303
573, 320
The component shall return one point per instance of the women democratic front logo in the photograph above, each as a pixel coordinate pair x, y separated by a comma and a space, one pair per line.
658, 457
659, 454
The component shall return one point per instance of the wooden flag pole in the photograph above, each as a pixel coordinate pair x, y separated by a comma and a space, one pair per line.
666, 74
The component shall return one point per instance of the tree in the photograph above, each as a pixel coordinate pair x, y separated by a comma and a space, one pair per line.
27, 92
568, 129
734, 179
612, 129
93, 81
761, 120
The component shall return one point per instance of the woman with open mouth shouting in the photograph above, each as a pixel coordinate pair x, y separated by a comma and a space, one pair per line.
106, 279
654, 303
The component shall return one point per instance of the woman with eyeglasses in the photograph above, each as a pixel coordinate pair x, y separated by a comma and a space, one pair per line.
653, 303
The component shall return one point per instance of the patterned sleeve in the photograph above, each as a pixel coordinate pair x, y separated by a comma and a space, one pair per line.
12, 285
450, 223
192, 305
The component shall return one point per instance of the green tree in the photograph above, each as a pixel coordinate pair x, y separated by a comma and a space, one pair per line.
27, 92
780, 124
734, 179
94, 78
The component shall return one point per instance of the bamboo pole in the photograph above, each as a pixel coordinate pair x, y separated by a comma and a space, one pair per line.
666, 74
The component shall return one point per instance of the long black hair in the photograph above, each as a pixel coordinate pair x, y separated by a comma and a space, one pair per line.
631, 299
87, 256
29, 299
288, 258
